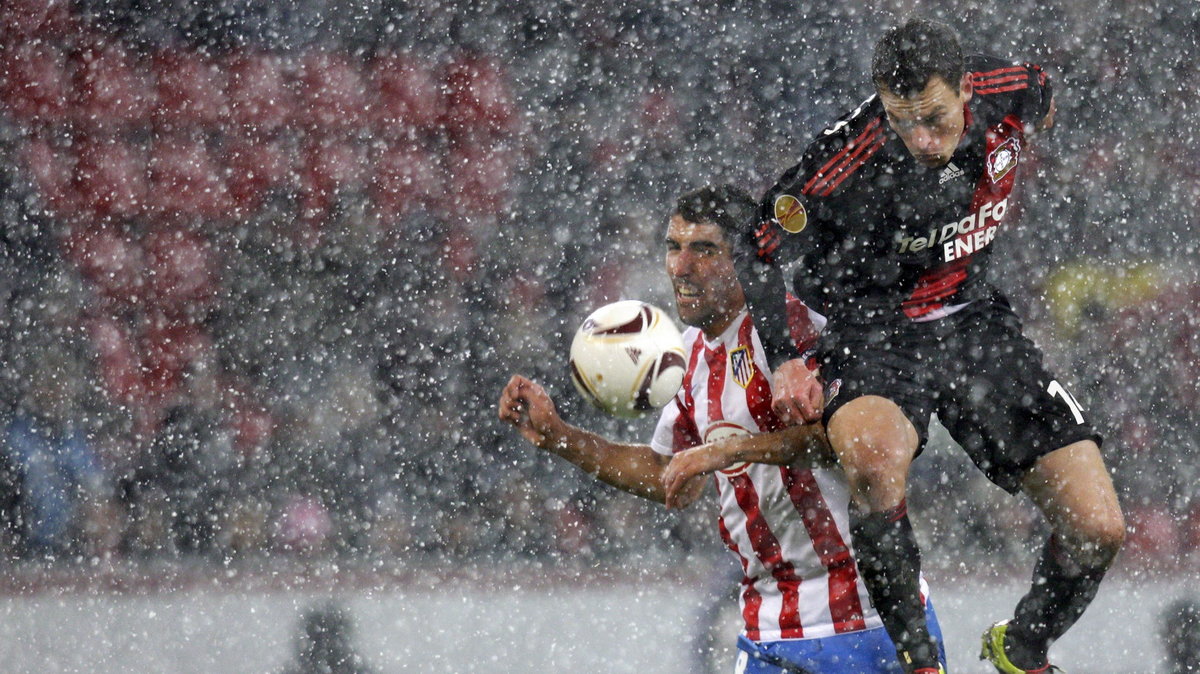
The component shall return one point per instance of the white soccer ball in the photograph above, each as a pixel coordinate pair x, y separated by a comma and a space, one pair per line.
627, 358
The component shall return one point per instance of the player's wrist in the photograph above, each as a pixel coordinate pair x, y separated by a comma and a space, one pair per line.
558, 436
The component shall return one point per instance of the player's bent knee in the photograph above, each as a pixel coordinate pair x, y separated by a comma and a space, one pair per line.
1107, 539
876, 471
1097, 541
875, 444
1072, 486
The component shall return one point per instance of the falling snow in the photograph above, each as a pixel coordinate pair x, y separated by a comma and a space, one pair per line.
266, 266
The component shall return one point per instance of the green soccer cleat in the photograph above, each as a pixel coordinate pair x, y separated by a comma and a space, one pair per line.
993, 652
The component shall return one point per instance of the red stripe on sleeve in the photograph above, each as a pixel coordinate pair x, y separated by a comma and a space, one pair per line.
999, 90
685, 434
862, 159
862, 139
1000, 71
845, 608
996, 81
858, 149
800, 323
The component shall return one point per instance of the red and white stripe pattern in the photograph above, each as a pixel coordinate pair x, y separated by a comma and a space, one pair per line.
787, 527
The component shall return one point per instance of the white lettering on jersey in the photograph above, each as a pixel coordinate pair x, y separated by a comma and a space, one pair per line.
963, 237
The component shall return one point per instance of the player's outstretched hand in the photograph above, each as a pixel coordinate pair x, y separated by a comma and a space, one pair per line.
680, 476
799, 396
527, 406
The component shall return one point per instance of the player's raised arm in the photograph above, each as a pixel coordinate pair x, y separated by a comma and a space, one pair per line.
762, 282
1048, 120
634, 468
779, 232
803, 445
797, 392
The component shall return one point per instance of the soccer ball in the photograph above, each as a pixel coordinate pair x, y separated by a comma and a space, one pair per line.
627, 358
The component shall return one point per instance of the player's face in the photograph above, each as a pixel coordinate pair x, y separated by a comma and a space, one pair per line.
931, 122
700, 264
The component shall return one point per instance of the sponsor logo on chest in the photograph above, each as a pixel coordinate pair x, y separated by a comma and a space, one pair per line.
721, 429
962, 237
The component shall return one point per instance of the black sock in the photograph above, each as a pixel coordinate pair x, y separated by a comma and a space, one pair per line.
890, 564
1060, 593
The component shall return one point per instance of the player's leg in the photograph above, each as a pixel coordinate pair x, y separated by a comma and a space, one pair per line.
875, 442
1072, 488
1028, 433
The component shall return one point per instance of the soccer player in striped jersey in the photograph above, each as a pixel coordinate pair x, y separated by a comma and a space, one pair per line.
890, 215
783, 506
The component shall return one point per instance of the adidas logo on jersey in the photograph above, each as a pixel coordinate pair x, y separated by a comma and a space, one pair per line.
949, 173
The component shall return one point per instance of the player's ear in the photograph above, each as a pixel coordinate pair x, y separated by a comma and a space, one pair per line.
966, 88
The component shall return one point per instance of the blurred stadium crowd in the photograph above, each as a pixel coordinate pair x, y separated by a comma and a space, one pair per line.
264, 271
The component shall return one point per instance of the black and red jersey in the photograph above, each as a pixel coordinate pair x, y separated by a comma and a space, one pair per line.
879, 238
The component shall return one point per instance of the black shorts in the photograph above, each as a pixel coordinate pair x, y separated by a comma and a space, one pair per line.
976, 370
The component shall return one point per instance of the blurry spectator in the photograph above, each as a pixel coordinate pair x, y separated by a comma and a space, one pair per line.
1180, 633
149, 532
189, 466
304, 525
243, 528
324, 644
59, 467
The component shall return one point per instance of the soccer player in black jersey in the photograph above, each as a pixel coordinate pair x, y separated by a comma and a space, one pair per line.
890, 216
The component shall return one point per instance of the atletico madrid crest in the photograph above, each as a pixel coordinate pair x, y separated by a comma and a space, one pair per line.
741, 365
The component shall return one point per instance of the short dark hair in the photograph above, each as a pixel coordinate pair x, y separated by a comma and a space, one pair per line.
908, 56
729, 207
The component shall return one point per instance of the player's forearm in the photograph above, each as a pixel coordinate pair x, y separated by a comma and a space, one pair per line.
636, 469
766, 299
796, 445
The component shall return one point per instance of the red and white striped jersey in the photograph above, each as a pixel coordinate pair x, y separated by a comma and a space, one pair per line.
788, 527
